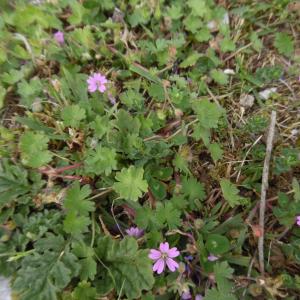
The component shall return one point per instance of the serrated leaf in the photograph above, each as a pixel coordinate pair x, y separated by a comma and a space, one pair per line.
44, 275
198, 7
78, 209
208, 113
72, 115
101, 125
157, 92
102, 160
231, 193
33, 147
216, 151
13, 182
76, 224
223, 272
131, 268
168, 215
219, 76
131, 184
132, 99
87, 262
76, 199
193, 189
284, 43
227, 45
201, 133
190, 60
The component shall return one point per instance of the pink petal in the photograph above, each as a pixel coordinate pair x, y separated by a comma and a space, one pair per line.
92, 87
97, 76
172, 264
159, 266
164, 247
154, 254
103, 80
102, 88
173, 252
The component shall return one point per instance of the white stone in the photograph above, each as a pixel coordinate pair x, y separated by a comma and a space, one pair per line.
5, 291
265, 94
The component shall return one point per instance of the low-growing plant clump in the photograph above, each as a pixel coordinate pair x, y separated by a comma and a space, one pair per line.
150, 149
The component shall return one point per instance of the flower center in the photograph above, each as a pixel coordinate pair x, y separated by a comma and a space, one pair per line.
164, 255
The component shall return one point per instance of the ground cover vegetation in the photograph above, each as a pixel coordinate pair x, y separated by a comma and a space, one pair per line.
138, 149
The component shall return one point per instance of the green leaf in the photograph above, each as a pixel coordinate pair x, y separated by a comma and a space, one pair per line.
33, 147
77, 13
131, 184
145, 218
198, 7
101, 126
13, 182
28, 91
132, 99
227, 45
284, 43
217, 244
84, 291
256, 42
157, 92
45, 273
130, 268
78, 209
76, 199
102, 160
193, 189
231, 193
208, 113
2, 96
214, 294
222, 273
216, 151
72, 115
190, 60
76, 224
181, 163
203, 35
201, 132
88, 264
168, 215
219, 76
296, 189
179, 202
144, 73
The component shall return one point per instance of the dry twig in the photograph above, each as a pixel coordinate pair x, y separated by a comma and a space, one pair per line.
264, 187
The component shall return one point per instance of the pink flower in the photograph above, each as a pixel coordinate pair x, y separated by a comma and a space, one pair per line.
59, 37
211, 257
199, 297
163, 257
298, 220
97, 82
135, 232
186, 295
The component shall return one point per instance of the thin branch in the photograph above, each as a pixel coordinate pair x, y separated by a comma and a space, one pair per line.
264, 187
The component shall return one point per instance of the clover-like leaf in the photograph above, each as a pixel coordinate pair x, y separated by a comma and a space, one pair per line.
131, 184
102, 160
34, 151
72, 115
